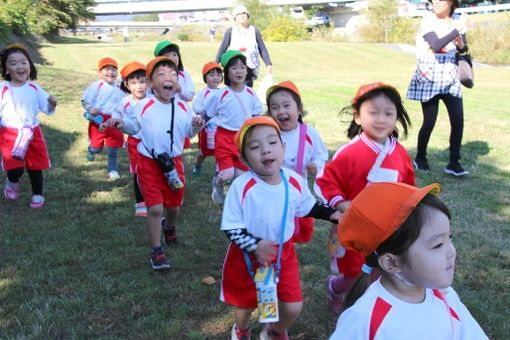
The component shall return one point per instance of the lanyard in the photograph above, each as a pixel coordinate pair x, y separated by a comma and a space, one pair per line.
282, 237
301, 149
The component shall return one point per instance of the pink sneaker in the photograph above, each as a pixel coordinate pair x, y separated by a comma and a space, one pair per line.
11, 190
336, 300
37, 202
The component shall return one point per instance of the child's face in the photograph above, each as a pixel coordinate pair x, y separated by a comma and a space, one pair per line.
284, 110
163, 82
137, 86
431, 258
377, 117
18, 67
173, 56
264, 152
108, 74
237, 73
213, 79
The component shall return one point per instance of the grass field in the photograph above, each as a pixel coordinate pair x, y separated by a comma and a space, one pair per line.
78, 269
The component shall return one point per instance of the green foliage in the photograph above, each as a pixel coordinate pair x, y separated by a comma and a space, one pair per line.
381, 16
261, 15
404, 30
489, 41
285, 28
183, 36
147, 17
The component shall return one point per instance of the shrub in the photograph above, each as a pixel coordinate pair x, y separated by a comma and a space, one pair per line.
183, 36
489, 41
284, 28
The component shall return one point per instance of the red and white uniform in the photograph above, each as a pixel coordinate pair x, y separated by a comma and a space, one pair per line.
187, 86
206, 135
153, 119
346, 175
231, 109
247, 206
314, 152
104, 97
378, 315
19, 107
123, 111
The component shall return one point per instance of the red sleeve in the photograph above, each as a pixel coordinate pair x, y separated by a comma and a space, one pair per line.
409, 176
331, 181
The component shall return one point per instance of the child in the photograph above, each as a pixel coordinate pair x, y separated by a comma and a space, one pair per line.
373, 155
233, 104
260, 229
404, 232
305, 151
213, 77
134, 82
186, 89
100, 100
164, 122
22, 143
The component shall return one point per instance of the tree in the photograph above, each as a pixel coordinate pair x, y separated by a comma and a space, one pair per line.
381, 16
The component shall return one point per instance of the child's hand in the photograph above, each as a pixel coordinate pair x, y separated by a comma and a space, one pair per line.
343, 205
52, 103
197, 121
311, 169
459, 42
94, 111
265, 251
335, 217
112, 122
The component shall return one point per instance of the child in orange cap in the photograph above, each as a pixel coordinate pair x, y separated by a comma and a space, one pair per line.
305, 151
261, 229
100, 100
232, 105
22, 144
164, 123
404, 232
134, 83
211, 73
373, 155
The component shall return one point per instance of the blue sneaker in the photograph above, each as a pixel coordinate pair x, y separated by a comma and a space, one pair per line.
159, 260
90, 155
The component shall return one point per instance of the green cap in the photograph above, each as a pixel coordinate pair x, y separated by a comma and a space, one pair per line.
225, 58
162, 45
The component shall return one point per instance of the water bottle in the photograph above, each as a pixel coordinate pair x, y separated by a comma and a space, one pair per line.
23, 139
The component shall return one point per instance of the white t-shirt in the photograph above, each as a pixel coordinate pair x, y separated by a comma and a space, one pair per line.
187, 86
386, 317
102, 96
253, 204
315, 150
153, 119
233, 108
202, 99
19, 106
125, 110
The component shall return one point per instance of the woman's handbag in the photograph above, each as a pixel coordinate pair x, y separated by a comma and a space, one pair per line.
465, 68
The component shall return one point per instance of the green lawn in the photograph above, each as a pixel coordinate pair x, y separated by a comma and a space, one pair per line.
79, 268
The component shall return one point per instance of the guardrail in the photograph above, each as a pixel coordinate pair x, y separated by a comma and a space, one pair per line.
483, 9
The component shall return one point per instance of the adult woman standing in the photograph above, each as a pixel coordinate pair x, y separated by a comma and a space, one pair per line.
439, 39
246, 38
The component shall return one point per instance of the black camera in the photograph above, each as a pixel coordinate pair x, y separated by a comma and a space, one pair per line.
167, 166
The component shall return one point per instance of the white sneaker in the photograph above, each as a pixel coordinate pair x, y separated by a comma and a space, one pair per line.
114, 174
218, 194
37, 202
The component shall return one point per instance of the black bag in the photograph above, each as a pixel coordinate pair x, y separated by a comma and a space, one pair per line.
465, 69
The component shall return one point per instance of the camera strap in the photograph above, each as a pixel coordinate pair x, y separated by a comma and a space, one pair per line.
171, 131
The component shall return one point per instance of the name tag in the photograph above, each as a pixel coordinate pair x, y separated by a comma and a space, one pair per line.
267, 297
382, 175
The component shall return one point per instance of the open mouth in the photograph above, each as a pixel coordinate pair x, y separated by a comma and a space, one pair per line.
168, 87
268, 162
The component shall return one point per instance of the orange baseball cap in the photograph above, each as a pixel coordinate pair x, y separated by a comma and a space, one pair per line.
210, 66
377, 212
152, 64
287, 84
259, 120
366, 88
107, 61
130, 68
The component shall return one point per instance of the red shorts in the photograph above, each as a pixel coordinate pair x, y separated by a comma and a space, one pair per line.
133, 154
202, 144
36, 157
111, 137
153, 184
350, 264
226, 152
238, 288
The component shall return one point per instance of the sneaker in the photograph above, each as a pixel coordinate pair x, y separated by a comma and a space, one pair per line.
421, 164
240, 335
218, 194
90, 155
37, 202
169, 232
11, 190
114, 174
336, 300
456, 170
197, 170
159, 260
268, 333
140, 209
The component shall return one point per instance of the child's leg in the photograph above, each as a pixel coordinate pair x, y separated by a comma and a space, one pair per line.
12, 187
154, 214
14, 175
36, 180
112, 158
243, 318
169, 228
290, 311
200, 159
